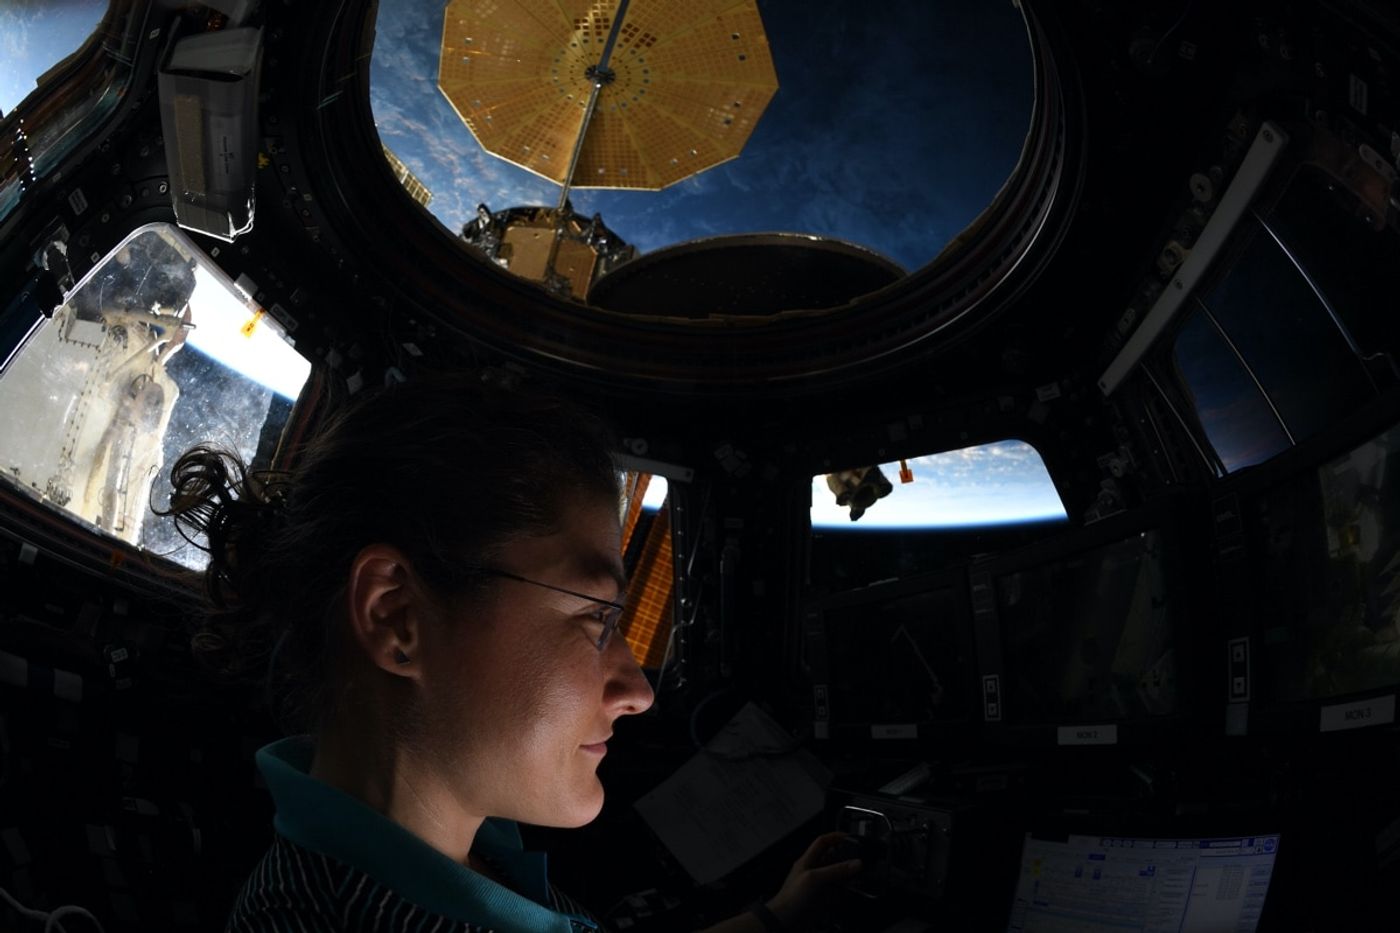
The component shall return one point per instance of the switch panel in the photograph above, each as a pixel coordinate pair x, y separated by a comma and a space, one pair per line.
1238, 666
991, 697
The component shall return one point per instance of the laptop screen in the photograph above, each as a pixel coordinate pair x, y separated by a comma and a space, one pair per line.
1088, 883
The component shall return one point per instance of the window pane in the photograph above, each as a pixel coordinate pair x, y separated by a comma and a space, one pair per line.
1287, 338
35, 35
1352, 265
154, 351
10, 189
647, 559
1235, 417
40, 36
992, 484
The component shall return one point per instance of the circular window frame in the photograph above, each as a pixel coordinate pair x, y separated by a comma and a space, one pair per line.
426, 271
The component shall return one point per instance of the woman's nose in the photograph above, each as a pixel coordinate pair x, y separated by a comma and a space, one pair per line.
628, 689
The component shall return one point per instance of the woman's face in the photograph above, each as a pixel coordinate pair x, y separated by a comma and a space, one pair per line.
519, 697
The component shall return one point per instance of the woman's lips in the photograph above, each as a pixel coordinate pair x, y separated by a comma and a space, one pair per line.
600, 748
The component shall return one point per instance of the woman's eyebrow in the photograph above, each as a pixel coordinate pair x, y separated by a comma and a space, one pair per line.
598, 569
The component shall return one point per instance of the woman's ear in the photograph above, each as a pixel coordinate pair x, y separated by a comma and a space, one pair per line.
384, 605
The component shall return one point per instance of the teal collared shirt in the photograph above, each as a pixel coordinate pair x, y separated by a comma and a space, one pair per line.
317, 817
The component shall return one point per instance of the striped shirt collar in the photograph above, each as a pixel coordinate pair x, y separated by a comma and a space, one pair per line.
321, 818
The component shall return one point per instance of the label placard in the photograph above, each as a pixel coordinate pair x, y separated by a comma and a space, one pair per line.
1377, 711
1106, 734
894, 730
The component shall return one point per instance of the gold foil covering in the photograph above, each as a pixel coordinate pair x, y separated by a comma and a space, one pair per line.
692, 78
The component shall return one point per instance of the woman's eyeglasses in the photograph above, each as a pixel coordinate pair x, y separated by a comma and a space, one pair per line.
609, 618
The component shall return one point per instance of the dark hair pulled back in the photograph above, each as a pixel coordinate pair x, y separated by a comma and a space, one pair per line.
447, 469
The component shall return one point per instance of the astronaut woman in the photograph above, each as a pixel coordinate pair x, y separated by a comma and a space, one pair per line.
436, 584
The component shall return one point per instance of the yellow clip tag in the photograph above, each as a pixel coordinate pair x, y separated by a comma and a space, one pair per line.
252, 325
906, 475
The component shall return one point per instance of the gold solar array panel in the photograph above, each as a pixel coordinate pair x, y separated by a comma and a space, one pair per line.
691, 78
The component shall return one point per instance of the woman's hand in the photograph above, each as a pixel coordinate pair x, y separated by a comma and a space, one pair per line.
811, 881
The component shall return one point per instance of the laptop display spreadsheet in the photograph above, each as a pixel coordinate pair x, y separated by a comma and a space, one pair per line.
1089, 883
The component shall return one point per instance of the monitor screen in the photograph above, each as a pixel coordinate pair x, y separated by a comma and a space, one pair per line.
1089, 637
1088, 883
899, 657
1330, 588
